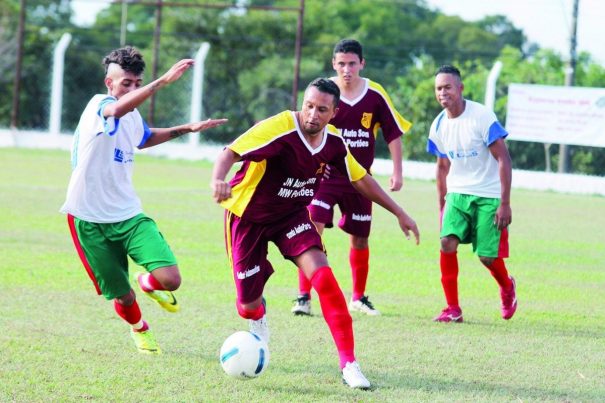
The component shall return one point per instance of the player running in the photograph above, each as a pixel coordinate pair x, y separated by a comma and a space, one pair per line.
105, 216
284, 158
364, 108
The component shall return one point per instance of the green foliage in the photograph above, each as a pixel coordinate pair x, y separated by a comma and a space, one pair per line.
250, 67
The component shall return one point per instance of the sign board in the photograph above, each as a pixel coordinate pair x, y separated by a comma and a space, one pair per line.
558, 115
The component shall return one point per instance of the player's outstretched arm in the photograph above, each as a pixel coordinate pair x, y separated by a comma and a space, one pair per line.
221, 190
135, 98
162, 135
368, 187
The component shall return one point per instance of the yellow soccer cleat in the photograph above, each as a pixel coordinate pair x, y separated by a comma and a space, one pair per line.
164, 298
145, 342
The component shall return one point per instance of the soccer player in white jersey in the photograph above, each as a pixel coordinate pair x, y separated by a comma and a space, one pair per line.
473, 187
104, 214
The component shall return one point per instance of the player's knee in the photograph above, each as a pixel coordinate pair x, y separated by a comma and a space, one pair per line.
127, 300
487, 261
449, 244
172, 282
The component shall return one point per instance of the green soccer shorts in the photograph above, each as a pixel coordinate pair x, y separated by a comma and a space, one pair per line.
471, 219
104, 251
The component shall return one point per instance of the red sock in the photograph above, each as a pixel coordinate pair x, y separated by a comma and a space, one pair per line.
498, 270
360, 265
254, 314
334, 309
304, 285
449, 277
131, 314
150, 283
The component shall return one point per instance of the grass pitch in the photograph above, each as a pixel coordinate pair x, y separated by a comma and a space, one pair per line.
61, 342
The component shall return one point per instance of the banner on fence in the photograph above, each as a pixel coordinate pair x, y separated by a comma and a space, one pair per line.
558, 115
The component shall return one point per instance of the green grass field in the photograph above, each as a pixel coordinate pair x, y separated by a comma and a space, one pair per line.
61, 342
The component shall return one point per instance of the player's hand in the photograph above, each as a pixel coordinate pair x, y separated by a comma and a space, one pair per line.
221, 190
407, 225
206, 124
504, 216
177, 70
395, 183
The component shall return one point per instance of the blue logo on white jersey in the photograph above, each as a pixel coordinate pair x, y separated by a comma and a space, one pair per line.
463, 154
118, 155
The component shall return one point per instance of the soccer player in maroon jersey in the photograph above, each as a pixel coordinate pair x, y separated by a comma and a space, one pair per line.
284, 158
364, 107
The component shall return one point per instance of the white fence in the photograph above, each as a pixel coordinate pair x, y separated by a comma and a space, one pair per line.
563, 183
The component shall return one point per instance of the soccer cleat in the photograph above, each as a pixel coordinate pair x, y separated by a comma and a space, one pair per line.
164, 298
260, 327
145, 342
509, 300
450, 314
303, 305
363, 305
353, 377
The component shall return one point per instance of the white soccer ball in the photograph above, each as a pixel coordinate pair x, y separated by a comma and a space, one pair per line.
244, 355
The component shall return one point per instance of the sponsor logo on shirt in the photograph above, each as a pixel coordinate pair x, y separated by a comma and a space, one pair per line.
320, 203
356, 138
362, 217
248, 273
121, 156
298, 229
459, 154
366, 120
292, 188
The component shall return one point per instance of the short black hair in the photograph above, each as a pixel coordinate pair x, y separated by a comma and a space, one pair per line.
348, 46
449, 69
128, 58
327, 86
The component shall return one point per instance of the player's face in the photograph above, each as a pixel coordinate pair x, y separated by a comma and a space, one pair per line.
347, 66
120, 82
317, 110
448, 90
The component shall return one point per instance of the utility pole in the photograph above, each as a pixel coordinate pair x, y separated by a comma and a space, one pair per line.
18, 68
297, 54
156, 55
570, 75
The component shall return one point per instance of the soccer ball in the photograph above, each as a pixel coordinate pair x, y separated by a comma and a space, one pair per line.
244, 355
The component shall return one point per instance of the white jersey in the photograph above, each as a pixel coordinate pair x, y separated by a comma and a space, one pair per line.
102, 158
465, 141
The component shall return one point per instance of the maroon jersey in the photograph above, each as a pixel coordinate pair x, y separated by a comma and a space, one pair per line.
358, 121
281, 171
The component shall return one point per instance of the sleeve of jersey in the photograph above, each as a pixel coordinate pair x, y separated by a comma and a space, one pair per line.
392, 123
258, 143
433, 145
495, 132
110, 124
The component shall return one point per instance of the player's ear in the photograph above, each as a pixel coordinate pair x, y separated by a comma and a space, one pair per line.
108, 83
362, 62
334, 114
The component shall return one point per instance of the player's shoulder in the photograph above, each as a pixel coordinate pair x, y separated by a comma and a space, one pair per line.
280, 123
376, 87
332, 130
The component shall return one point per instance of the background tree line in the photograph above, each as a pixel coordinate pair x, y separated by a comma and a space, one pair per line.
249, 69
